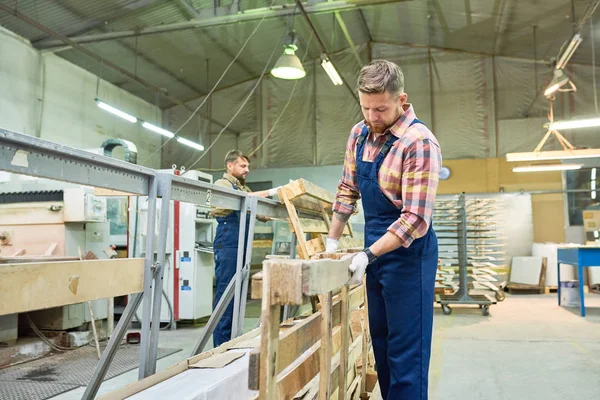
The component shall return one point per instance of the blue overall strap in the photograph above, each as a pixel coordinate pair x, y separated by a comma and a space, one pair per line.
363, 136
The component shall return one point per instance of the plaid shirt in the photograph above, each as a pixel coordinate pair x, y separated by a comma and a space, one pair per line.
408, 176
230, 182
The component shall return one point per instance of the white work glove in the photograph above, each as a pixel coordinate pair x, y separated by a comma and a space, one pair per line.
358, 268
273, 191
331, 245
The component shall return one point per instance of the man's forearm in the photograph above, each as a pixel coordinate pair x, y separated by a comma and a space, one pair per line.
385, 244
338, 222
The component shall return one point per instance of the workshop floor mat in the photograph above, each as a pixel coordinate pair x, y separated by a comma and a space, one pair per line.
59, 373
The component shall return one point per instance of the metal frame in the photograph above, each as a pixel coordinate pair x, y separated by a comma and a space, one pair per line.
462, 296
23, 154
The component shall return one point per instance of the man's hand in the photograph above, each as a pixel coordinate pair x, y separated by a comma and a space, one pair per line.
331, 245
273, 191
358, 268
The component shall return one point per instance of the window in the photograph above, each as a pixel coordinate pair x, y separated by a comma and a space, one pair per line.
585, 182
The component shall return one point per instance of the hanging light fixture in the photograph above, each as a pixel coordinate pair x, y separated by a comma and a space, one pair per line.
289, 65
559, 80
547, 167
157, 129
568, 152
331, 71
116, 111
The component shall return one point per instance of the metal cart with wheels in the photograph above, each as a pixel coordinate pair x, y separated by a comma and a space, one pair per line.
460, 238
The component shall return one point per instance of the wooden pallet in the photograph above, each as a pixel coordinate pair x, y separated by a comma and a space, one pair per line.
315, 205
319, 356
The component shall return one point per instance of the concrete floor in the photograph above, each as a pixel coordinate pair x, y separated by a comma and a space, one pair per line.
527, 348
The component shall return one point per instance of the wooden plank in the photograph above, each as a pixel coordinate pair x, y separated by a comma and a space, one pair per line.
256, 286
51, 250
323, 276
311, 388
28, 287
225, 346
294, 221
315, 246
318, 277
310, 225
303, 335
269, 342
345, 326
110, 192
286, 281
37, 213
291, 380
35, 259
139, 386
326, 217
326, 350
20, 252
176, 369
301, 187
365, 339
369, 381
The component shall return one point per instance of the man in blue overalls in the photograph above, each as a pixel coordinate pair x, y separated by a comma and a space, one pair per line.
393, 162
226, 239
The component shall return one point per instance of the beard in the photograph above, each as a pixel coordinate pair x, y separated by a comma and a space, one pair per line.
377, 129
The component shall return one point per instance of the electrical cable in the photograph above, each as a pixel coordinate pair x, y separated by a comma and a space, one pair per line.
278, 117
214, 87
268, 63
284, 107
53, 346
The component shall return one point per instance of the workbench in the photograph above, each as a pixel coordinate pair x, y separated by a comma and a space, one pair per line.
581, 257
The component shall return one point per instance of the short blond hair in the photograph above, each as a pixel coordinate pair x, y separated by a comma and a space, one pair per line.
233, 155
381, 76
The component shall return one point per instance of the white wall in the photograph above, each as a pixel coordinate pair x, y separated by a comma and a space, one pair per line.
46, 96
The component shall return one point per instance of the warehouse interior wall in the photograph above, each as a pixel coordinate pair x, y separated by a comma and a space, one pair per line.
478, 106
48, 97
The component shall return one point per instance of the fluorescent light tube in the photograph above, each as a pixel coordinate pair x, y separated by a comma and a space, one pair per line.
549, 167
331, 71
116, 111
566, 56
189, 143
553, 155
158, 129
578, 123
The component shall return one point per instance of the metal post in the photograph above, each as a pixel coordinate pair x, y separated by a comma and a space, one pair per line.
112, 347
148, 277
238, 328
240, 263
215, 317
164, 190
462, 247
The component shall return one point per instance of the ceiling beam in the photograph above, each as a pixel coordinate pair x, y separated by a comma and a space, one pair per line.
98, 58
191, 12
501, 23
256, 77
365, 25
118, 14
243, 16
468, 12
324, 49
441, 17
137, 53
348, 37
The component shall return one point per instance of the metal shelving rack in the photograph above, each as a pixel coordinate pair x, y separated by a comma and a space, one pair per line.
468, 237
23, 154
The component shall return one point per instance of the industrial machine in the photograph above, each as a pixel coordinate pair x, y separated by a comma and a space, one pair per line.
189, 263
52, 223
